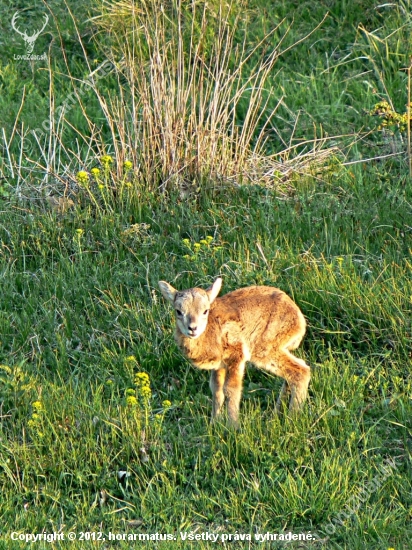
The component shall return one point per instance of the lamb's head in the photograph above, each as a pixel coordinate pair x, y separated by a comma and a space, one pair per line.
191, 306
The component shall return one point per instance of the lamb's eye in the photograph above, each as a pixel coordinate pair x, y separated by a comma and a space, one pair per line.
206, 312
179, 313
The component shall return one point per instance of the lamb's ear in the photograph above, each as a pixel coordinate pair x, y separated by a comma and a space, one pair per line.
168, 291
214, 290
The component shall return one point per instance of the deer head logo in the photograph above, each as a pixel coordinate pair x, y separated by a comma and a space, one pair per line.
29, 39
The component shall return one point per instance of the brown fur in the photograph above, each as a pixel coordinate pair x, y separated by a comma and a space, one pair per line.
259, 324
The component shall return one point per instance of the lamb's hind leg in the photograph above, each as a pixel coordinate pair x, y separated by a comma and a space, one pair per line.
296, 374
283, 397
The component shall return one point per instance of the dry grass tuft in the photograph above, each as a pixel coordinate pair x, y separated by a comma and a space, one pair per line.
193, 102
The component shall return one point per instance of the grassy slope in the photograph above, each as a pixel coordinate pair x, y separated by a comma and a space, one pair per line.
74, 307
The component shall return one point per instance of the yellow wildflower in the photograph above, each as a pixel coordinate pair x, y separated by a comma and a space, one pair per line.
106, 160
131, 401
142, 379
142, 382
145, 391
82, 177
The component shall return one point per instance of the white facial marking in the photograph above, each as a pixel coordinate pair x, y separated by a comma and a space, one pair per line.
192, 312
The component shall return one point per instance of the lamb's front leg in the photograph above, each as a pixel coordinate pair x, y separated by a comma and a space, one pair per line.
217, 383
233, 388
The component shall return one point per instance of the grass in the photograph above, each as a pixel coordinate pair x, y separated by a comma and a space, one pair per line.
84, 447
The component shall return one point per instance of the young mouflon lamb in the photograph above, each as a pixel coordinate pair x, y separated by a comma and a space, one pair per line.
260, 324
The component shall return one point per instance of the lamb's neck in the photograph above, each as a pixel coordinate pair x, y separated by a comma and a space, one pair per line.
191, 346
206, 347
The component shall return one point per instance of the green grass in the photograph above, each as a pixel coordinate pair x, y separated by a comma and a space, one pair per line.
81, 315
